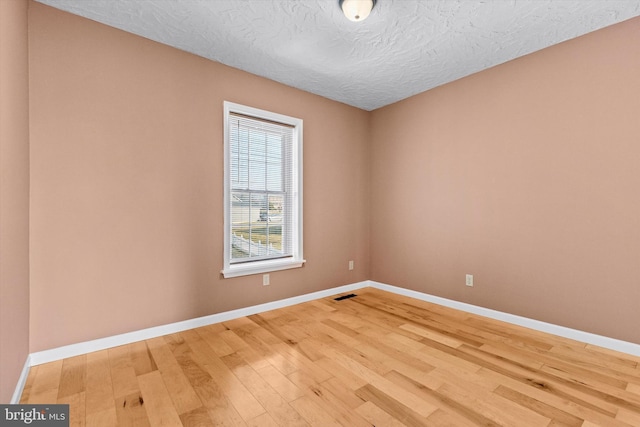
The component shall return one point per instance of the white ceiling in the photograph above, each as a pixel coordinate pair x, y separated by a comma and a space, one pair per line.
405, 46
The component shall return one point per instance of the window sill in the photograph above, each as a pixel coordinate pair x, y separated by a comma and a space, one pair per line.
258, 267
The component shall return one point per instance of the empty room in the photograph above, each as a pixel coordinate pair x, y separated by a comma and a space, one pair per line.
320, 213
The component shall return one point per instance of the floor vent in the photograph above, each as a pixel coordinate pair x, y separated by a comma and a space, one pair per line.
345, 297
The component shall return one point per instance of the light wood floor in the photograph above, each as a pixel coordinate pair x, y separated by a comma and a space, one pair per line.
376, 359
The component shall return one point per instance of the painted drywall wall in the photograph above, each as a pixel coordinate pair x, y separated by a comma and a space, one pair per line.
14, 194
522, 175
527, 176
127, 183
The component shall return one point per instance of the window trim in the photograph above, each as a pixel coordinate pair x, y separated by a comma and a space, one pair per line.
264, 266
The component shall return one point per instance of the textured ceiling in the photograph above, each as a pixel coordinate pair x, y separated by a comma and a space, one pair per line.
404, 47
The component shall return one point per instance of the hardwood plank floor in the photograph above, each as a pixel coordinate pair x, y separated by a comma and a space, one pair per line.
377, 359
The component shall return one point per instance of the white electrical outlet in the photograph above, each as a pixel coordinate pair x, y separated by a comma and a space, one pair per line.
469, 281
265, 280
350, 265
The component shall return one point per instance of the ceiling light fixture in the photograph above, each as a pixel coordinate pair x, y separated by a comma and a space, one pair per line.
356, 10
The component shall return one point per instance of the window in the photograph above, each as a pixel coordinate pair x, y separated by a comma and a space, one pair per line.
262, 191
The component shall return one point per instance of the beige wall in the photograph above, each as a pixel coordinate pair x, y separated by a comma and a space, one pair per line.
527, 176
126, 180
14, 194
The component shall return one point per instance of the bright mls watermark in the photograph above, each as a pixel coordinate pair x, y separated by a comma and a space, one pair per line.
34, 415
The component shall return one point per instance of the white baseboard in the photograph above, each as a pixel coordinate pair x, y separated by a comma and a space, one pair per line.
72, 350
574, 334
51, 355
15, 399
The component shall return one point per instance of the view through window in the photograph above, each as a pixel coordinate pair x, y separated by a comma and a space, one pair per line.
262, 187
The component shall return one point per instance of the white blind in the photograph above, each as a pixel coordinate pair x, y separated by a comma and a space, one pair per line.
260, 177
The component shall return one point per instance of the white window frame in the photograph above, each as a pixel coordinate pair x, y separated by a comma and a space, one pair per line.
264, 266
